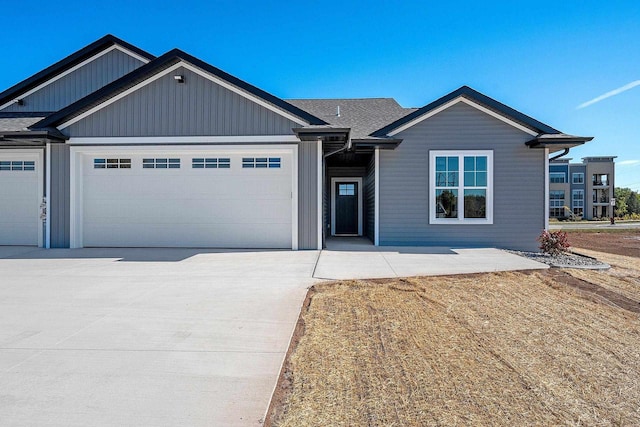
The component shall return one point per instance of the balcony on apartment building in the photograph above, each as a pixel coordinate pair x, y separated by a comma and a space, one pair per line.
601, 181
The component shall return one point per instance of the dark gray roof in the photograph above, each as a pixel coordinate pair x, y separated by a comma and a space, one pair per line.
12, 124
363, 115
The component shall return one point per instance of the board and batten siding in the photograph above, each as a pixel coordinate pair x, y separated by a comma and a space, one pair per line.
519, 182
197, 107
370, 199
308, 195
79, 83
59, 209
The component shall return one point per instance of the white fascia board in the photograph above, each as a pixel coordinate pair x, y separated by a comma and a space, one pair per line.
470, 103
249, 139
196, 70
75, 67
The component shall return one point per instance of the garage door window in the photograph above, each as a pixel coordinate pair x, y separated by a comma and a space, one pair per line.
211, 163
112, 163
17, 165
161, 163
261, 162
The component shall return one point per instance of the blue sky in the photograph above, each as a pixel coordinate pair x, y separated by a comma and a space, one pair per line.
544, 58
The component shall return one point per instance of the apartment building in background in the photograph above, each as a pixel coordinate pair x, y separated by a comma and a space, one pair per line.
581, 190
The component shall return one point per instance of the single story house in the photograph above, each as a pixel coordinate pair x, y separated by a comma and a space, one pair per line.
114, 147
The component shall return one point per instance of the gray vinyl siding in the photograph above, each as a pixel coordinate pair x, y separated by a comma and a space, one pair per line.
79, 83
197, 107
59, 198
307, 195
370, 199
518, 191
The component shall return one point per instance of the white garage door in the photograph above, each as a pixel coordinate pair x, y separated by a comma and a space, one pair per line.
20, 190
217, 198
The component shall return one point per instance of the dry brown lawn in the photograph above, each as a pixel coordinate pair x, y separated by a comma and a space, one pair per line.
490, 349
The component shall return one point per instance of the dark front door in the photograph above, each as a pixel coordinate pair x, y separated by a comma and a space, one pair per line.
346, 207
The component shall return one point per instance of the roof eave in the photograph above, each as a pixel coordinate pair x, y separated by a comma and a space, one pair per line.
382, 143
32, 137
321, 132
557, 142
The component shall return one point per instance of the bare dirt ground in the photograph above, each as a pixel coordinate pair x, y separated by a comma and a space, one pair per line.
621, 242
558, 347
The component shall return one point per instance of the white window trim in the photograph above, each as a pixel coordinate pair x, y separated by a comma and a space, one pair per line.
564, 177
573, 177
573, 199
432, 187
333, 202
76, 173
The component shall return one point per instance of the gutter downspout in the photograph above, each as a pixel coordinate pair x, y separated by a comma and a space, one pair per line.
347, 146
564, 153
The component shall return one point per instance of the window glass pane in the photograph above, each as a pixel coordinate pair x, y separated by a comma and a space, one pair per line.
481, 179
452, 179
441, 179
446, 203
147, 161
475, 203
452, 163
469, 164
469, 179
441, 163
481, 163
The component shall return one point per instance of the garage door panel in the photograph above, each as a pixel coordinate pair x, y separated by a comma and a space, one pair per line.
20, 201
185, 235
228, 208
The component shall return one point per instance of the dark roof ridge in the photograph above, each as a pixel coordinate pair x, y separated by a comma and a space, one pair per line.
470, 93
66, 63
140, 74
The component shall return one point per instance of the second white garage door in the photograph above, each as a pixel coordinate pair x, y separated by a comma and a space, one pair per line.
20, 197
216, 198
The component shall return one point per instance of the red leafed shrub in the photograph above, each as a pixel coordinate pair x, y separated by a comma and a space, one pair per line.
554, 242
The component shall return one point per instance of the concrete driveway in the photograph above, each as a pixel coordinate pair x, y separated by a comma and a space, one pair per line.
144, 337
172, 337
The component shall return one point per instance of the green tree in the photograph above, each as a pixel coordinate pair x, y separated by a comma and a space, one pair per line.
621, 195
633, 203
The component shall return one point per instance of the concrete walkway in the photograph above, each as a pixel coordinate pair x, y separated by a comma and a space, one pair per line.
357, 258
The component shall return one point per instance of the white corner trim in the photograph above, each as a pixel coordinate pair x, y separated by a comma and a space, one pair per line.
319, 187
47, 197
183, 64
74, 68
376, 198
468, 102
333, 201
546, 188
294, 198
460, 188
249, 139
